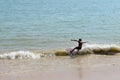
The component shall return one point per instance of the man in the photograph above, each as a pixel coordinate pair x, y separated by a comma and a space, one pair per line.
80, 43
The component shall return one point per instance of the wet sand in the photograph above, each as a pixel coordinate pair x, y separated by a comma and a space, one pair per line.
64, 75
90, 67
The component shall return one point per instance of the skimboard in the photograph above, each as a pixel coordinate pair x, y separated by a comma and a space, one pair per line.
68, 50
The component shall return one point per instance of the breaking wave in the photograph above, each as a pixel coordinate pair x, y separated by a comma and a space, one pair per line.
100, 49
87, 49
24, 55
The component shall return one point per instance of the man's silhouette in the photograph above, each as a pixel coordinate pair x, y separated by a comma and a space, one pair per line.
80, 43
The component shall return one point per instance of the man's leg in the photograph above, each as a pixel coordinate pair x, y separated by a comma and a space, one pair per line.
73, 50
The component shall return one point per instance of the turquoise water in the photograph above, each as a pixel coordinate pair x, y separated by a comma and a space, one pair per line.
51, 24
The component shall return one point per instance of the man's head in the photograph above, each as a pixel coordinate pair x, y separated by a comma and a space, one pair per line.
80, 39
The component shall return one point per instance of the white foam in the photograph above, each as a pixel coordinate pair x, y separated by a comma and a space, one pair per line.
20, 55
25, 55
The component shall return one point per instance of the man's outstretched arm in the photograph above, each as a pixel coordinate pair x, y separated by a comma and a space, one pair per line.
74, 40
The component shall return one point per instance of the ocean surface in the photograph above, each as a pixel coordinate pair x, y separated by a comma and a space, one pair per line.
36, 25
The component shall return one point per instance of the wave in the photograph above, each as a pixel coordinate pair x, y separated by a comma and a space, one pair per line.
23, 55
100, 49
87, 49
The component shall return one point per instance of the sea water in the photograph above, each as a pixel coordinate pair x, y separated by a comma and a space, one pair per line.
50, 24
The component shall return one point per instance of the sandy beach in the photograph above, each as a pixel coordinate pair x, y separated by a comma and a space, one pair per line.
65, 75
88, 67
